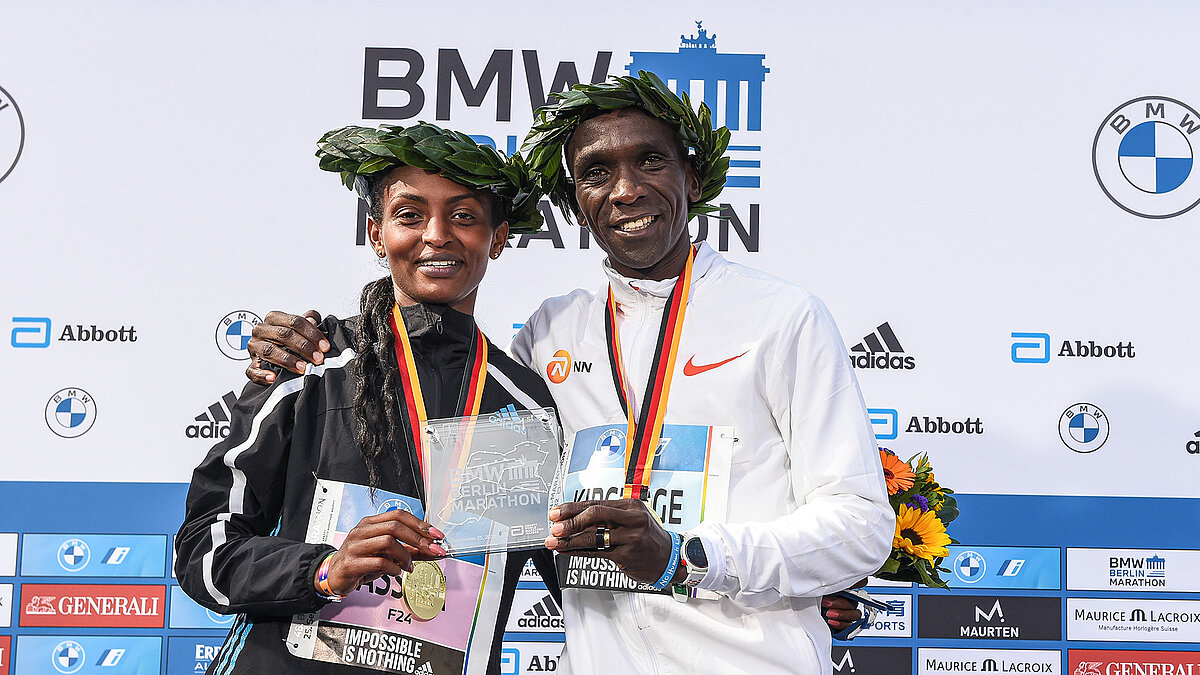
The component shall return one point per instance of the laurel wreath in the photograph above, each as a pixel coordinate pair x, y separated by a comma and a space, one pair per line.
556, 121
360, 153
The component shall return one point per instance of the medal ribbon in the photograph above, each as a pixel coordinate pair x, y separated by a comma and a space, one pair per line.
645, 430
470, 395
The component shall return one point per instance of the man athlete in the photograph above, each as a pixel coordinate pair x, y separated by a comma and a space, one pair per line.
807, 507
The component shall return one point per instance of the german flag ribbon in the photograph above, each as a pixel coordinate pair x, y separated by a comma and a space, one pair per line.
645, 431
470, 394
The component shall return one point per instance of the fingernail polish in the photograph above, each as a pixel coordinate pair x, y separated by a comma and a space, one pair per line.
437, 550
436, 532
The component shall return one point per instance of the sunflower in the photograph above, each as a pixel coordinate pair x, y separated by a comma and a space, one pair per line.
897, 472
921, 534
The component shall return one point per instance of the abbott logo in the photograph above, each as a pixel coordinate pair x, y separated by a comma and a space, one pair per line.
886, 422
31, 332
1031, 348
559, 367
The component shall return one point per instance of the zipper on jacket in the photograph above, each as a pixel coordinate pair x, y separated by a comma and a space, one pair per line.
636, 608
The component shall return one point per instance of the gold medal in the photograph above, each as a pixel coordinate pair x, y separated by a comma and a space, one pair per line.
425, 589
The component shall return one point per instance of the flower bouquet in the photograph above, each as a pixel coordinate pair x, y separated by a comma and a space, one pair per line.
923, 508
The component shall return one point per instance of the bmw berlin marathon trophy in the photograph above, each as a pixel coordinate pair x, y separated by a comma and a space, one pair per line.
491, 480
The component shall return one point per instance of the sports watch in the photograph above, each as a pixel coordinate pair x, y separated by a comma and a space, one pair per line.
695, 560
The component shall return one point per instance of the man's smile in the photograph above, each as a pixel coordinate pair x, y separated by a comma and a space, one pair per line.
635, 225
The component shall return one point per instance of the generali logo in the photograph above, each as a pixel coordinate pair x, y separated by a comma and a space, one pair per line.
110, 606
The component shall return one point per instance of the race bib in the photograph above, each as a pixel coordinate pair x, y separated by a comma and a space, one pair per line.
689, 483
374, 627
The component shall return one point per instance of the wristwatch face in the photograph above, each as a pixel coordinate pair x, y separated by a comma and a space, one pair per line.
694, 552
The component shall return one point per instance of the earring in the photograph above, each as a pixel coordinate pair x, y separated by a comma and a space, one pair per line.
380, 252
495, 255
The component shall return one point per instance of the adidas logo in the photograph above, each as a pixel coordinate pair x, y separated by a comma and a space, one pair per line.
543, 615
213, 423
508, 418
881, 350
425, 669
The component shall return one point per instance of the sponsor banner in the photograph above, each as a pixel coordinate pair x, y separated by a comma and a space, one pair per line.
1133, 620
534, 611
519, 658
530, 574
384, 650
91, 655
1131, 569
6, 596
863, 660
192, 654
953, 661
186, 613
8, 554
989, 617
94, 555
1005, 567
5, 654
896, 621
1114, 662
107, 606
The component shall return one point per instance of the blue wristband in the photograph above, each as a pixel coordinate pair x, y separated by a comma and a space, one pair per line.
672, 564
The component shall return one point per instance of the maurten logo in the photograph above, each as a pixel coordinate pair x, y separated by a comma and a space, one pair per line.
12, 134
1083, 427
881, 350
233, 333
70, 412
1143, 157
214, 422
544, 614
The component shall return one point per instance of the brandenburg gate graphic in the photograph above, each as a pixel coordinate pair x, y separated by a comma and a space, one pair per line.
698, 59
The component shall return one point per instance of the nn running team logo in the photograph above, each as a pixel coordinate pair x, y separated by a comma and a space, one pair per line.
562, 365
1144, 158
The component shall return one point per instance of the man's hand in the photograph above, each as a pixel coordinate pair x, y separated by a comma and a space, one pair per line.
640, 546
287, 340
382, 544
839, 612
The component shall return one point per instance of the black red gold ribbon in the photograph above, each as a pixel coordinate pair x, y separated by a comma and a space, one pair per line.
470, 394
645, 431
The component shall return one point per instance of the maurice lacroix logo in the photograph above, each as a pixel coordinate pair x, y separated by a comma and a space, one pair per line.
1035, 348
233, 333
1143, 157
214, 422
881, 350
696, 68
70, 412
1083, 427
12, 134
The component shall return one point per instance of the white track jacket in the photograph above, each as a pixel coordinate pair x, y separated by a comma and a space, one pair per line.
808, 511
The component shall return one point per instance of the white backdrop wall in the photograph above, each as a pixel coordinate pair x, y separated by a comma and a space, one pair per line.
941, 167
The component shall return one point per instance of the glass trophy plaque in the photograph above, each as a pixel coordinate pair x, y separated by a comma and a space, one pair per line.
491, 480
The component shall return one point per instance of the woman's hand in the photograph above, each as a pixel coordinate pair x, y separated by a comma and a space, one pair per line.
379, 545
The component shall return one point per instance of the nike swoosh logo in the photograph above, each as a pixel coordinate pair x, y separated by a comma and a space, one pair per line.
690, 368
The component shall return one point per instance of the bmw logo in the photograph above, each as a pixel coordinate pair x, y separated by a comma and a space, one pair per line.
70, 412
233, 333
1083, 427
394, 505
1144, 157
74, 555
610, 447
68, 656
969, 567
